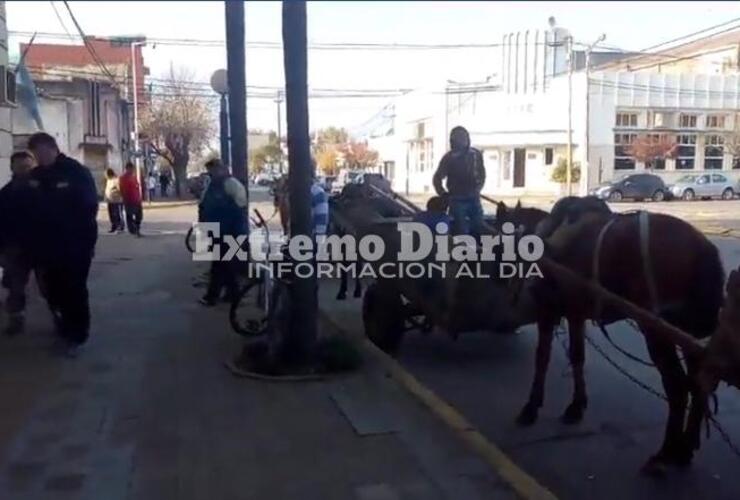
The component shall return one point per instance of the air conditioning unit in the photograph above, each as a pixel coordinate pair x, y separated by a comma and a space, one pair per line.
7, 87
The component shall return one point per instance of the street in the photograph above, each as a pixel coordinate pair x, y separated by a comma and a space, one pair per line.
149, 412
487, 379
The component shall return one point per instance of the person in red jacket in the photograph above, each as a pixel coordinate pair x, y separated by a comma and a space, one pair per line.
131, 194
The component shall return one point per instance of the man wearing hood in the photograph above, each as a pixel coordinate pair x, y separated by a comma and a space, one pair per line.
463, 168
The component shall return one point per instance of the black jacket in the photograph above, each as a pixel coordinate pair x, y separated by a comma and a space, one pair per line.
63, 221
16, 206
464, 172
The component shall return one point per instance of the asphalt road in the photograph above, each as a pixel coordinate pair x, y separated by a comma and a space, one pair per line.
487, 378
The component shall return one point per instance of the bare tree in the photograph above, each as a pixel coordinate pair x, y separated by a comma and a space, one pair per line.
178, 123
732, 143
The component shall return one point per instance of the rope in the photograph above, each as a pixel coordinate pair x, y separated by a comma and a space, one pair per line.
710, 418
624, 352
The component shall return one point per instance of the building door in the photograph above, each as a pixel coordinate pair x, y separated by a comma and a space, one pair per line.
520, 158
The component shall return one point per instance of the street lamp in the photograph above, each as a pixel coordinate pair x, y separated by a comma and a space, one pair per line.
220, 84
134, 86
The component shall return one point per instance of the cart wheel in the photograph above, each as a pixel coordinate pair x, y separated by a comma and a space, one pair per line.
383, 317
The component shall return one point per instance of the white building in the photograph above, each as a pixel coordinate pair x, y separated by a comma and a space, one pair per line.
520, 121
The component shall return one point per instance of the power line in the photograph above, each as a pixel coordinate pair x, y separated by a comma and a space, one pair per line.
89, 46
668, 56
59, 18
313, 45
693, 34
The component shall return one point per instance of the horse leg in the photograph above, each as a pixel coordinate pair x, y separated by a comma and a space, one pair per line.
358, 282
342, 293
528, 415
697, 412
675, 385
576, 331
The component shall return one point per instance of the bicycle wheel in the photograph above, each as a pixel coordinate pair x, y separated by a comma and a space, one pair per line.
247, 314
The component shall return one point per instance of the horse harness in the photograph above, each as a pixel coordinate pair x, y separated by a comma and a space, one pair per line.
643, 219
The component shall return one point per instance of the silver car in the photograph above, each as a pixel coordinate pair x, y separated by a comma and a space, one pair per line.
693, 186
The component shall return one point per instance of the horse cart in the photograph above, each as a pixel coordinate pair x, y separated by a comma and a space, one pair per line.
394, 305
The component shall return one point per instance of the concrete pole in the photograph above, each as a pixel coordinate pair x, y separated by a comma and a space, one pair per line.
223, 116
278, 102
134, 86
586, 170
236, 73
299, 340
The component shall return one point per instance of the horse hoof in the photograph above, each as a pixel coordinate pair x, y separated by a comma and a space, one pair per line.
341, 296
358, 294
573, 414
528, 415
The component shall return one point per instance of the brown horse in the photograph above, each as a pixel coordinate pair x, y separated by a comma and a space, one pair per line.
657, 262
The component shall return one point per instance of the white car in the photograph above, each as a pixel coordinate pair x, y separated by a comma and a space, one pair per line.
693, 186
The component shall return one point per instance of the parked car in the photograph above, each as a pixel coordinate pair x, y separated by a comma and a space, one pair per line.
632, 186
345, 177
263, 179
692, 186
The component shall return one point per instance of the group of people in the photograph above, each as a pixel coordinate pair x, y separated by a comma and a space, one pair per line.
48, 225
123, 195
163, 180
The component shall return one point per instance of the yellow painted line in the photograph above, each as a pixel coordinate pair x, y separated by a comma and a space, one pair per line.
524, 485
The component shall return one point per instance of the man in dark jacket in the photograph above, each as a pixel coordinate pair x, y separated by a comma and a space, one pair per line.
64, 233
224, 203
463, 168
15, 208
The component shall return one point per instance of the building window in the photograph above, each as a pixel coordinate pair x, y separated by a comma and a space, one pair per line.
623, 160
687, 121
714, 152
716, 121
626, 119
422, 154
686, 151
548, 156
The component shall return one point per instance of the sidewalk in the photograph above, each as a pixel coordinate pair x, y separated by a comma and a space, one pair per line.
149, 412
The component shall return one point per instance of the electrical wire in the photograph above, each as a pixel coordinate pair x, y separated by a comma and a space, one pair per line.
89, 46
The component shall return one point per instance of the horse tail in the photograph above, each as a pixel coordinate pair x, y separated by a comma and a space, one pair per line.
706, 294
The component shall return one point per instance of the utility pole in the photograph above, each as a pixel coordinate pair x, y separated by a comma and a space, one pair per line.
278, 102
569, 166
586, 170
135, 88
220, 84
236, 75
301, 335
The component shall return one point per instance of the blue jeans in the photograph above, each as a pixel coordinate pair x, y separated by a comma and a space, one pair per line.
467, 215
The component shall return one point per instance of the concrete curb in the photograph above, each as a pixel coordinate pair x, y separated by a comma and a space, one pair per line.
524, 485
166, 204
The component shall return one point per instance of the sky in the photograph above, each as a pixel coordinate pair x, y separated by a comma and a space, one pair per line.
629, 25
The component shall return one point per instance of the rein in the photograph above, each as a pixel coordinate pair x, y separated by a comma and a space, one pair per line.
644, 235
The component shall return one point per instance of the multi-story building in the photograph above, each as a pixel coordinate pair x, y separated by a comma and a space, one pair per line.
521, 118
85, 105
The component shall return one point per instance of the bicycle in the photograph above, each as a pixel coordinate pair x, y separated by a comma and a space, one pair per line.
262, 303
